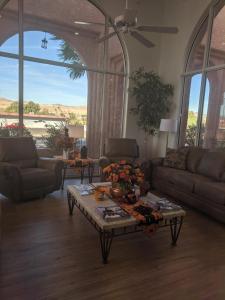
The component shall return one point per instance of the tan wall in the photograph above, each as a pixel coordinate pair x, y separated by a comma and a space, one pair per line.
167, 58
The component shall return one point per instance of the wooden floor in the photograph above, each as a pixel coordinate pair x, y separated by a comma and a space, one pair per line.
47, 254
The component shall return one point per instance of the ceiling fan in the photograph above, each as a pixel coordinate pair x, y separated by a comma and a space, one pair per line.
127, 24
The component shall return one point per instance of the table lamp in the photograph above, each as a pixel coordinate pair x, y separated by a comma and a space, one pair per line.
76, 132
168, 125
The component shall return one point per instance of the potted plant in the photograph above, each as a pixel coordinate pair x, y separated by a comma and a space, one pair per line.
152, 99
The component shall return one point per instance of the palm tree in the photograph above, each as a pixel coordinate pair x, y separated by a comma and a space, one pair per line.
68, 55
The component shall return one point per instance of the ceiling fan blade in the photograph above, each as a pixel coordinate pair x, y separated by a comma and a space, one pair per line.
158, 29
80, 22
106, 37
142, 39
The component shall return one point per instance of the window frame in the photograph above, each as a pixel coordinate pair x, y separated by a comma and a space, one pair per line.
21, 58
210, 13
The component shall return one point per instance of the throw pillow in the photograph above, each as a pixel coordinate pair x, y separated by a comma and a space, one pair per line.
176, 159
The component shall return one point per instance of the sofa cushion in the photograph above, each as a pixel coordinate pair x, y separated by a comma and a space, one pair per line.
180, 178
213, 191
34, 178
176, 158
194, 157
212, 165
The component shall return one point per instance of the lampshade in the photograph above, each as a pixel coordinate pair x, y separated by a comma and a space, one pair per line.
168, 125
76, 131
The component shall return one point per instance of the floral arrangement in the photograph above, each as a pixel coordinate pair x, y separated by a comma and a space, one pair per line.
123, 174
11, 130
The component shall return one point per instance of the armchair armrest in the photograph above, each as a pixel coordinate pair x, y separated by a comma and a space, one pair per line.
104, 162
10, 181
50, 164
54, 165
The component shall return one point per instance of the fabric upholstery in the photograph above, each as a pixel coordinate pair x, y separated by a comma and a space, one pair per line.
24, 176
119, 147
204, 191
176, 158
19, 150
194, 157
33, 178
212, 165
213, 191
179, 178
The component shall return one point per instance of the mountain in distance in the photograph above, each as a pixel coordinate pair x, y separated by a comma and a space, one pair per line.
56, 109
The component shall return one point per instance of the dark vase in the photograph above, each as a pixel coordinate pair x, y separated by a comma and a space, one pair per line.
83, 152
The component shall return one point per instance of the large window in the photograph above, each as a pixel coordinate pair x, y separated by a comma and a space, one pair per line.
203, 111
56, 70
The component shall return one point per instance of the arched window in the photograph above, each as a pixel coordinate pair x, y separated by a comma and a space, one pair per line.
55, 68
203, 109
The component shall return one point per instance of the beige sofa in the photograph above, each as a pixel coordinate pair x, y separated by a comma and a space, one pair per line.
201, 185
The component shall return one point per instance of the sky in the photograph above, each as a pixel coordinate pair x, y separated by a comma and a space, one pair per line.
45, 84
195, 93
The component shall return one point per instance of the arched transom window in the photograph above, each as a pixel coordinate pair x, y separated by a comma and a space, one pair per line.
203, 109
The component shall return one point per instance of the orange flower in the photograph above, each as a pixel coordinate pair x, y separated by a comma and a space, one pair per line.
122, 175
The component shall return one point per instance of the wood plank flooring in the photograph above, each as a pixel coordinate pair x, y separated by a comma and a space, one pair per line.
47, 254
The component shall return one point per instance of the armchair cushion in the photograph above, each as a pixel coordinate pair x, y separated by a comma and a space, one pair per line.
18, 151
120, 147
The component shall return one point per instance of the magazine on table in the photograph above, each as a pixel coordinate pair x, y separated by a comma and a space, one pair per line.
112, 213
85, 189
161, 204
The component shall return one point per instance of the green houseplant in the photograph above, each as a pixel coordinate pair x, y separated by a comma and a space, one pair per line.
152, 99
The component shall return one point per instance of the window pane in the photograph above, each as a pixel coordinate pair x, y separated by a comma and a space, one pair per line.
213, 121
9, 97
196, 57
51, 103
9, 38
190, 110
57, 19
217, 49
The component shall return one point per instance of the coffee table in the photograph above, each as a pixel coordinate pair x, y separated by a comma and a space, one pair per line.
108, 230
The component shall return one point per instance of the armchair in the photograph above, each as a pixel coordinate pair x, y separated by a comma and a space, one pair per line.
116, 149
23, 175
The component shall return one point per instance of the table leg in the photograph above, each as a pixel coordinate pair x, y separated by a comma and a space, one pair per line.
82, 174
106, 241
63, 178
90, 172
71, 203
175, 227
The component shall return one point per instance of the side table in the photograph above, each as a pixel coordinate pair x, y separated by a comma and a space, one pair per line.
78, 163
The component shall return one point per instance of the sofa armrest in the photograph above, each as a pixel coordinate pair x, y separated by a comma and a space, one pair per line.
10, 181
104, 162
54, 165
